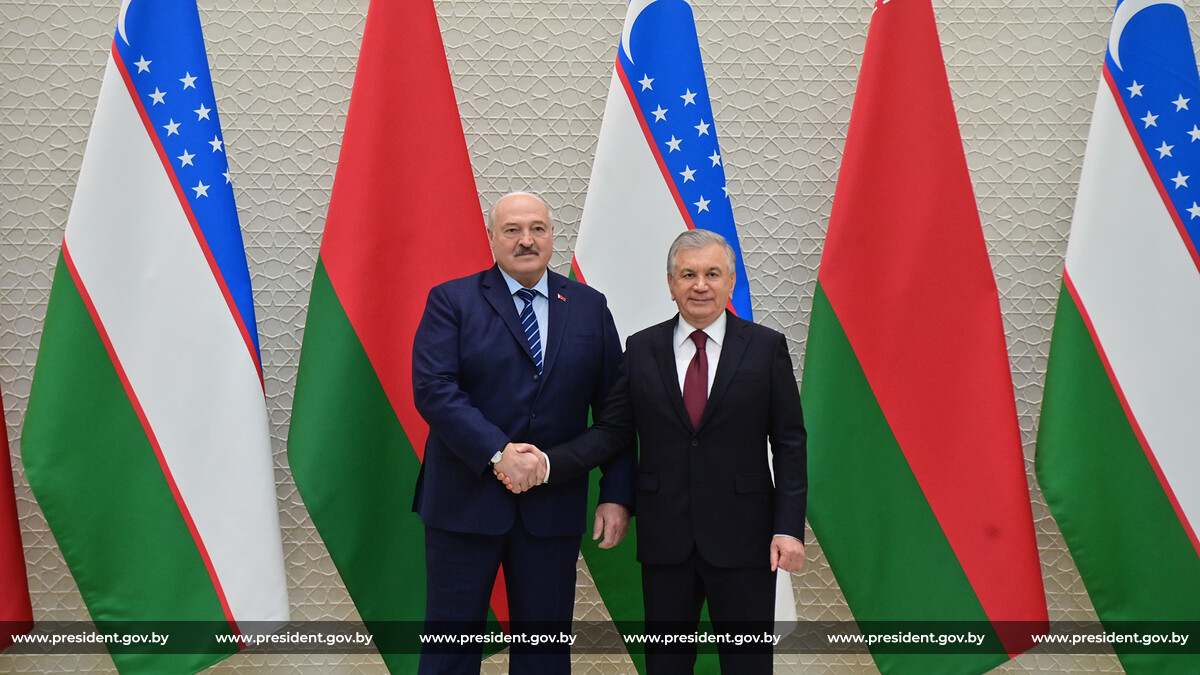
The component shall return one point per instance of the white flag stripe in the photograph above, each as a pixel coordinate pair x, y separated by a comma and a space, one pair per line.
138, 257
1141, 289
630, 218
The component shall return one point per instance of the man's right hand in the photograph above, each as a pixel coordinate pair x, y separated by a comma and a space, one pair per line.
521, 466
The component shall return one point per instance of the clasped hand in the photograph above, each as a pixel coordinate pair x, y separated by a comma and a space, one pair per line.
521, 467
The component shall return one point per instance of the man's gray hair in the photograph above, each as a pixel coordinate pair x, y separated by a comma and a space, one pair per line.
699, 238
491, 212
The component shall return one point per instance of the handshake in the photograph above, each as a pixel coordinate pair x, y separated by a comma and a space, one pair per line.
521, 467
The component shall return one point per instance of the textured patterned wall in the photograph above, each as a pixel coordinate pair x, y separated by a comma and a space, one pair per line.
531, 77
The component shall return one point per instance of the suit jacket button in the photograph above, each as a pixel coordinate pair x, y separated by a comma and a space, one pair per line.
535, 377
533, 415
695, 442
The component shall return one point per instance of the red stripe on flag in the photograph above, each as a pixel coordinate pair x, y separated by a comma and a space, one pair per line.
1162, 189
576, 269
906, 268
662, 163
1133, 423
191, 216
162, 460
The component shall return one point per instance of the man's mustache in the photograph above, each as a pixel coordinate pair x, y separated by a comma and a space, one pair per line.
522, 250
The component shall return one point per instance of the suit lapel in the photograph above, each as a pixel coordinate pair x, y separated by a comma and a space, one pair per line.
731, 356
664, 355
497, 295
559, 309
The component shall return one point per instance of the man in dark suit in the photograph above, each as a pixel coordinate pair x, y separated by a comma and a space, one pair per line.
704, 393
515, 353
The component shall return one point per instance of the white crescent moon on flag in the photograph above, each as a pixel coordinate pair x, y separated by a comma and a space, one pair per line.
121, 19
1125, 11
636, 7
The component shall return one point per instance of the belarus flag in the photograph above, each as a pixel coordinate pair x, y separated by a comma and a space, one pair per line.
146, 440
918, 494
16, 612
404, 217
1119, 441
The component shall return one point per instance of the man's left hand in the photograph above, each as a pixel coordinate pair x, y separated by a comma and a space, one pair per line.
787, 553
612, 520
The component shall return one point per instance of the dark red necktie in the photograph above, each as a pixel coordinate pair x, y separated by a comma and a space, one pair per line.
695, 380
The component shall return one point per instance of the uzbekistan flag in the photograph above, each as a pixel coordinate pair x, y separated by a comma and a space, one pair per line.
1118, 452
146, 441
16, 612
403, 218
657, 172
918, 492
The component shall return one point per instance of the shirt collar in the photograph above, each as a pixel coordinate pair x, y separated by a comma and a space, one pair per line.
715, 330
542, 286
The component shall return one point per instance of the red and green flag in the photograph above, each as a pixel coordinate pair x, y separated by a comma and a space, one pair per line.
918, 494
404, 216
16, 611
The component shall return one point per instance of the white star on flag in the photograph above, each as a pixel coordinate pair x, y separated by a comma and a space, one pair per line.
1181, 103
715, 157
143, 65
1195, 210
185, 159
188, 80
702, 205
1149, 119
201, 189
1180, 180
201, 112
1135, 90
702, 128
660, 114
158, 96
673, 144
172, 127
688, 97
216, 144
645, 82
1164, 150
688, 173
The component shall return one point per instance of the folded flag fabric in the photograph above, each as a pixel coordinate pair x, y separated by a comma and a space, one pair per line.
146, 440
1118, 450
404, 217
918, 493
16, 611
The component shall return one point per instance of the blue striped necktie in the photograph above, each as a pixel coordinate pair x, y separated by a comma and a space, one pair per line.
530, 323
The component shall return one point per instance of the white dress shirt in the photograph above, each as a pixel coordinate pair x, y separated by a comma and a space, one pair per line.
685, 348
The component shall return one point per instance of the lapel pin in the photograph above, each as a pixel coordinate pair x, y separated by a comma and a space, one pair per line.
560, 297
